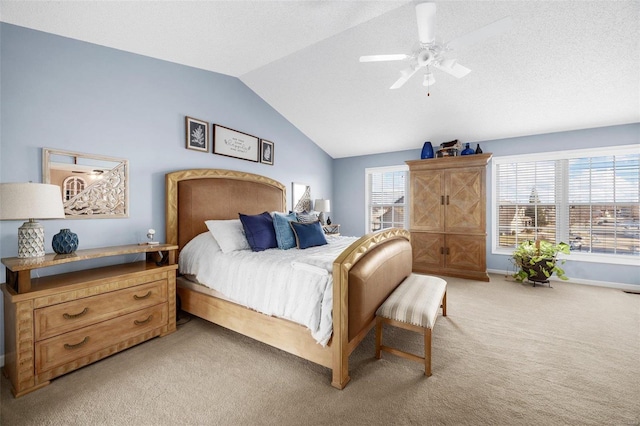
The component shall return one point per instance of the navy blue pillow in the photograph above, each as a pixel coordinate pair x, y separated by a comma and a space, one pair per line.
259, 231
308, 234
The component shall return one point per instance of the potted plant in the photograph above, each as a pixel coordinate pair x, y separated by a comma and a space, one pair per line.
537, 260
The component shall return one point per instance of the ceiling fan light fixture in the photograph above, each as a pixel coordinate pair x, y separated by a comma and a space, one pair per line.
429, 80
424, 58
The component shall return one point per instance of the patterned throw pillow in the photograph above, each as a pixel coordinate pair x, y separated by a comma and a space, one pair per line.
306, 217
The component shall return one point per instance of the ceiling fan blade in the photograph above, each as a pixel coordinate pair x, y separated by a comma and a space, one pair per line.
405, 75
496, 28
379, 58
451, 66
426, 16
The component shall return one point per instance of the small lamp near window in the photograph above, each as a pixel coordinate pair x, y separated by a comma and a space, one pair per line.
323, 206
30, 201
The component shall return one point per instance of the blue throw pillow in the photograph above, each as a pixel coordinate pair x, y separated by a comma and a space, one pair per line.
308, 234
259, 231
284, 233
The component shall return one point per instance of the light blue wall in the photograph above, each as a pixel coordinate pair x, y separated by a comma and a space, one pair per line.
70, 95
349, 189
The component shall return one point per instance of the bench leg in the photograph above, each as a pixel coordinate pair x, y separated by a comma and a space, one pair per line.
444, 304
427, 352
378, 336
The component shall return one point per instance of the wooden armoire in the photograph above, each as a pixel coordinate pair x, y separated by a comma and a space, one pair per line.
448, 216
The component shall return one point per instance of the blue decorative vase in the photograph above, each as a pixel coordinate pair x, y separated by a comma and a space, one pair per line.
427, 150
65, 242
467, 150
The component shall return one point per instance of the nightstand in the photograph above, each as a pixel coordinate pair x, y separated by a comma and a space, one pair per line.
333, 229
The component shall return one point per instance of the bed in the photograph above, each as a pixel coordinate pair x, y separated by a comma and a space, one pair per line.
364, 274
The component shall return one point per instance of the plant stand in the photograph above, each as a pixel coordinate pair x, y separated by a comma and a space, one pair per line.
541, 282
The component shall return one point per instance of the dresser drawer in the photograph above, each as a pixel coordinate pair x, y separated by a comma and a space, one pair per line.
57, 319
68, 347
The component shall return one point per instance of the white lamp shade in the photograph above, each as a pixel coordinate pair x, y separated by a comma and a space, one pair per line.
22, 201
322, 205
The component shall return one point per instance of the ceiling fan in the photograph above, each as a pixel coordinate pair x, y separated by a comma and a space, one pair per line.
431, 53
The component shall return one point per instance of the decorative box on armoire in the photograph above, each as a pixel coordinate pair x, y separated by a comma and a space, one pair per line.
448, 216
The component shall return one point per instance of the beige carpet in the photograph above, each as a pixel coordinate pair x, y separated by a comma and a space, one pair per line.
507, 354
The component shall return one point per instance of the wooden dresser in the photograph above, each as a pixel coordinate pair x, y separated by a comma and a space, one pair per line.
448, 216
58, 323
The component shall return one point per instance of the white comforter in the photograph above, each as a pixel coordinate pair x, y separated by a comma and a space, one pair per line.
293, 284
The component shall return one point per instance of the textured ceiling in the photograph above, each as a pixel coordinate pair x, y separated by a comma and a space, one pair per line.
564, 65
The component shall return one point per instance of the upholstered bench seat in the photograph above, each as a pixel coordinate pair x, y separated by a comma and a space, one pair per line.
414, 305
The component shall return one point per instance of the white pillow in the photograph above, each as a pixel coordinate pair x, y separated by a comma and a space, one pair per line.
229, 234
197, 251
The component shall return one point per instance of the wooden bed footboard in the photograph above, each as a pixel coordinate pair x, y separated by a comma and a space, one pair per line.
367, 272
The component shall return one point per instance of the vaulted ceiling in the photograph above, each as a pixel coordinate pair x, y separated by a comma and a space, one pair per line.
563, 65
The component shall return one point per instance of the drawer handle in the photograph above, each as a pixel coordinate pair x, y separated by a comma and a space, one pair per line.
77, 345
74, 316
136, 322
135, 296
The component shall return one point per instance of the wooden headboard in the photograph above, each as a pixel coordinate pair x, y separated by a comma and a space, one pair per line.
194, 196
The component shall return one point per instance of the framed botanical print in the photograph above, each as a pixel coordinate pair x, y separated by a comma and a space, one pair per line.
197, 134
266, 152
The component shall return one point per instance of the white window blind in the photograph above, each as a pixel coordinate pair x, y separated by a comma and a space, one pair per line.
587, 198
386, 197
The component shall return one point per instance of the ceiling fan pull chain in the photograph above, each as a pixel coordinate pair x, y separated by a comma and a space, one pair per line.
427, 81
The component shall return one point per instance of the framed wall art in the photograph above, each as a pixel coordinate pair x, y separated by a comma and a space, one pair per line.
197, 134
266, 152
91, 186
235, 144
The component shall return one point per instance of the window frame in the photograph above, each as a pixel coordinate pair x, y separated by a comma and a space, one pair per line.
562, 223
367, 202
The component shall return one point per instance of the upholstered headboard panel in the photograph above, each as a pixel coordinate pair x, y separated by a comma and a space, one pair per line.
194, 196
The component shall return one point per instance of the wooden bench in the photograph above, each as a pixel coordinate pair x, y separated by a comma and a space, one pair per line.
413, 305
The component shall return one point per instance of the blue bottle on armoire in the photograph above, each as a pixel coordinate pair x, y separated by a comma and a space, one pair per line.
427, 150
467, 150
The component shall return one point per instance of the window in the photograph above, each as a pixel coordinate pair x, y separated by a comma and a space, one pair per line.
72, 187
386, 197
587, 198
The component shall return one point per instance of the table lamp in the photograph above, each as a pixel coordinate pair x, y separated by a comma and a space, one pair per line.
322, 206
30, 201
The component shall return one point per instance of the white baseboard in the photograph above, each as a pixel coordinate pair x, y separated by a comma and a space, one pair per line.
620, 286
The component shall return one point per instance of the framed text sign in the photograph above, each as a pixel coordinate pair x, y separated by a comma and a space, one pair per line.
236, 144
